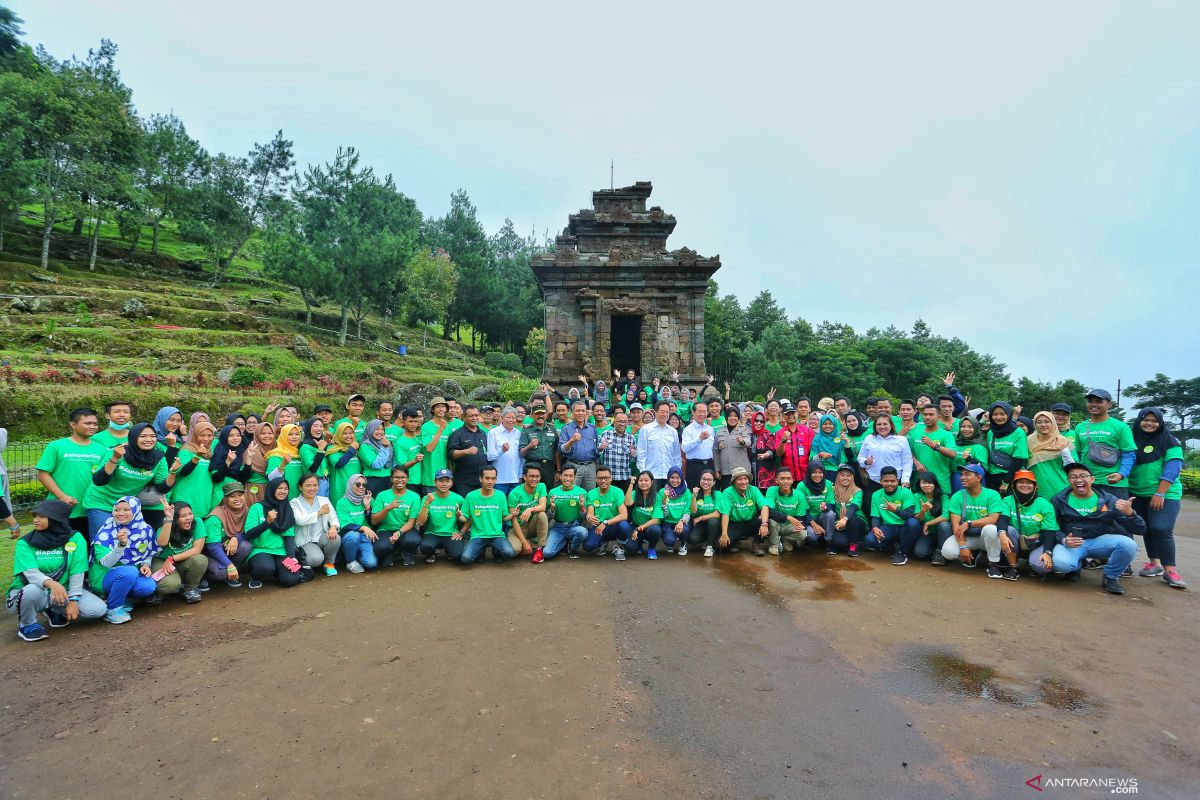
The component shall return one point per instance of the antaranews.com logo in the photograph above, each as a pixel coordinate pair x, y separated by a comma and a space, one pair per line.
1114, 785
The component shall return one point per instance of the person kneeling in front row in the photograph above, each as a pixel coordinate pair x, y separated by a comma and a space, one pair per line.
1094, 524
486, 511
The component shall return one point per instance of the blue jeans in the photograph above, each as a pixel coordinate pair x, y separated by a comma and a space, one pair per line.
563, 534
323, 487
501, 549
125, 581
505, 488
1119, 549
896, 538
357, 547
617, 532
96, 518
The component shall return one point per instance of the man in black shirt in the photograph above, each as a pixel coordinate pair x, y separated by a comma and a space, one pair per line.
467, 448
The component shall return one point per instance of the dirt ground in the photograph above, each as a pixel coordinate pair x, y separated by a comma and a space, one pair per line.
798, 676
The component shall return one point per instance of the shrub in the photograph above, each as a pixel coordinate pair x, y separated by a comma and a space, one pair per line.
502, 362
1191, 481
247, 376
532, 371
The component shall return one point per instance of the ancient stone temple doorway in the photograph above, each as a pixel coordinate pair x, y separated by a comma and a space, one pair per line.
625, 352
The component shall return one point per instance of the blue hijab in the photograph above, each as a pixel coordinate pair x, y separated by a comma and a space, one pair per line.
831, 443
142, 544
160, 423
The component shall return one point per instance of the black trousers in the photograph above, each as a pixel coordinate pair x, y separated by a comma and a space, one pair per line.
693, 470
267, 567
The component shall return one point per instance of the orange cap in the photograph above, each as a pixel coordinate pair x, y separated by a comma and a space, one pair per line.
1024, 475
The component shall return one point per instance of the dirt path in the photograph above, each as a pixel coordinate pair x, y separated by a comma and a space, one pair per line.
775, 678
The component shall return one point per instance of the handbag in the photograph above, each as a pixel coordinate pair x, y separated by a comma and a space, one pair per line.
150, 497
999, 459
1101, 454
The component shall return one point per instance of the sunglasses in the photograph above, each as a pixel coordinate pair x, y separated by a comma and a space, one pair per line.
360, 486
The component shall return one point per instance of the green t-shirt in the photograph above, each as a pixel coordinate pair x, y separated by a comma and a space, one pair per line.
1038, 516
349, 514
1086, 506
407, 448
706, 503
195, 488
792, 505
670, 510
72, 465
410, 506
568, 505
436, 459
640, 514
978, 452
269, 541
1051, 477
970, 508
198, 534
856, 501
952, 428
931, 458
520, 500
814, 499
308, 454
1112, 432
359, 427
773, 427
605, 505
684, 409
73, 556
292, 472
1015, 444
901, 497
741, 508
339, 477
1144, 478
394, 432
367, 453
125, 481
214, 531
106, 438
443, 514
486, 513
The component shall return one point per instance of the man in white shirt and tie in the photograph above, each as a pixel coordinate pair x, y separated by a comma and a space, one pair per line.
658, 446
698, 441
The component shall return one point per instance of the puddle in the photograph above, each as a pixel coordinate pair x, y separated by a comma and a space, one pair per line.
825, 570
934, 672
747, 575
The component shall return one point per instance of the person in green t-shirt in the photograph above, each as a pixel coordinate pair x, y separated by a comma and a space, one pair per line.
486, 510
851, 516
894, 525
788, 509
354, 525
394, 515
130, 469
193, 484
975, 512
568, 505
118, 413
66, 466
931, 513
182, 542
641, 512
1008, 447
341, 459
528, 500
706, 514
674, 511
49, 566
744, 513
817, 508
1049, 453
1105, 445
1032, 525
284, 460
933, 448
271, 530
606, 517
410, 453
313, 449
434, 434
970, 447
1157, 492
439, 517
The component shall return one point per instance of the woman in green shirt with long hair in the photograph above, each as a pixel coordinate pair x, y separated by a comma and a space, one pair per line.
1157, 492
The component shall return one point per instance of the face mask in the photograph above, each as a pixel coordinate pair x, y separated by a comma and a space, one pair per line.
124, 426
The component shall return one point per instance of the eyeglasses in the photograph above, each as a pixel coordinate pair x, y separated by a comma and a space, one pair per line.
360, 486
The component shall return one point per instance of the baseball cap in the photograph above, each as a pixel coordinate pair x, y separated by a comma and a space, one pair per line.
846, 468
1100, 393
638, 406
1024, 475
787, 407
319, 407
538, 410
442, 473
439, 400
354, 397
1061, 407
1078, 465
976, 468
233, 488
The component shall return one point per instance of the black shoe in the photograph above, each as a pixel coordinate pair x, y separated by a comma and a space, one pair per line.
1093, 563
57, 618
1073, 577
191, 596
968, 562
994, 571
153, 600
1112, 585
1128, 573
899, 559
938, 559
407, 559
388, 562
1011, 574
204, 587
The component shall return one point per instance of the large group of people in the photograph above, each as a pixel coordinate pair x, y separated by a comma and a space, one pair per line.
141, 511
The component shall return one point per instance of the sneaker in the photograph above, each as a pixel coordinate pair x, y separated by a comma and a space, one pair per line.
829, 551
431, 558
758, 550
1011, 574
355, 567
652, 554
572, 553
330, 570
899, 559
938, 559
619, 553
192, 595
994, 571
407, 559
117, 616
1171, 578
128, 607
32, 632
709, 551
733, 548
152, 600
1151, 570
853, 551
788, 547
1073, 577
57, 618
538, 557
233, 584
968, 562
1092, 563
1128, 573
773, 550
682, 551
1112, 585
390, 561
204, 587
255, 583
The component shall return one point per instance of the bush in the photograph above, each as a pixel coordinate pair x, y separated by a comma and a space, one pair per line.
518, 390
1191, 482
532, 371
502, 362
247, 376
26, 494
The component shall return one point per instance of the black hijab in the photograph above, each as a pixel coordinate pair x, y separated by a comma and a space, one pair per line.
135, 456
1152, 446
1000, 431
221, 451
306, 427
813, 487
284, 519
58, 532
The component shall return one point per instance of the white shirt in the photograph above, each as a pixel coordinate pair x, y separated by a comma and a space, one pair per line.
888, 451
694, 447
508, 465
658, 449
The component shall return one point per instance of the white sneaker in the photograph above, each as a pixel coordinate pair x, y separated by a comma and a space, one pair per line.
619, 553
709, 552
355, 567
773, 549
682, 550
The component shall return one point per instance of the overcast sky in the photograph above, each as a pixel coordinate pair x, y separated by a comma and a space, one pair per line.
1024, 176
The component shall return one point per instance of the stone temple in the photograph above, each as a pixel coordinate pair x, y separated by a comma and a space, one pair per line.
616, 298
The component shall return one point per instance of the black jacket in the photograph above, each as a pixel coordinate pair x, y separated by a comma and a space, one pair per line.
467, 468
1107, 518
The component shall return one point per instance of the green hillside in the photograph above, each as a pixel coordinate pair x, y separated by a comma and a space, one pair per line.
70, 337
